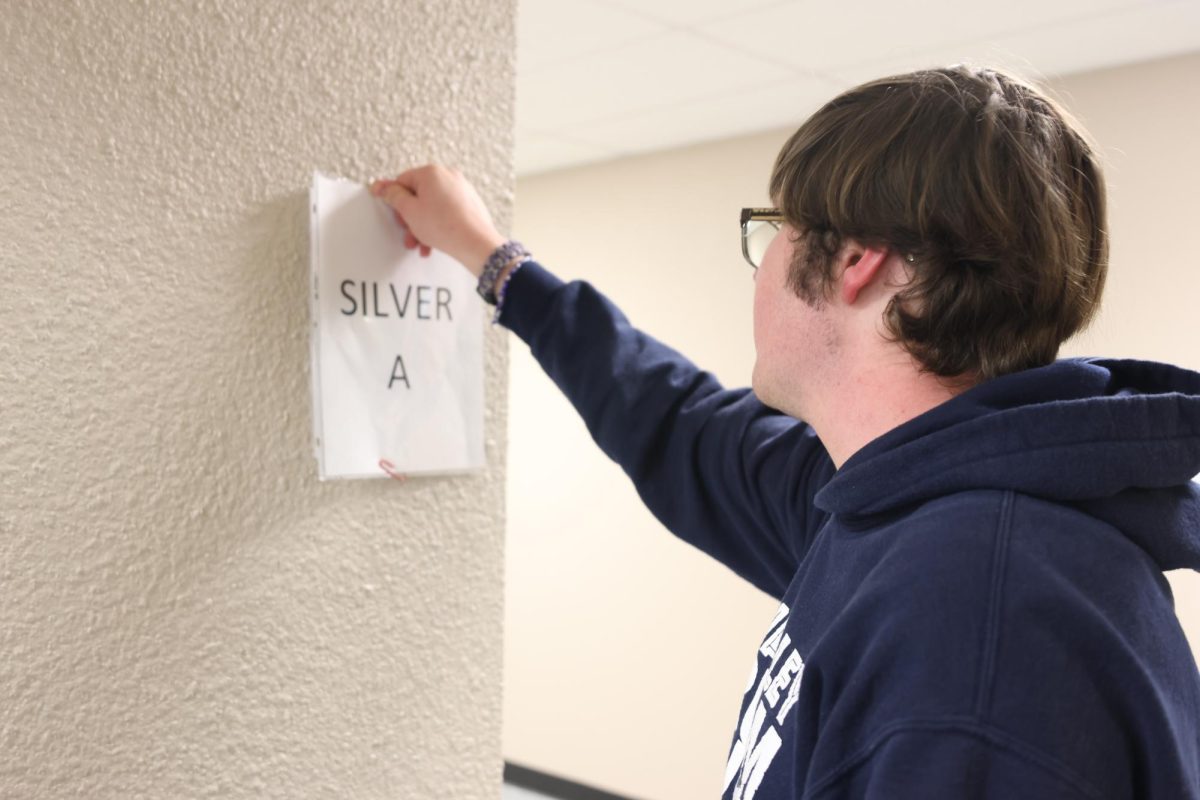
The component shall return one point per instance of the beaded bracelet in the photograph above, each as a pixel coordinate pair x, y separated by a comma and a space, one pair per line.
500, 258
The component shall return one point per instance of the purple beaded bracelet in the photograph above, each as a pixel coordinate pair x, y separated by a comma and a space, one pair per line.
500, 258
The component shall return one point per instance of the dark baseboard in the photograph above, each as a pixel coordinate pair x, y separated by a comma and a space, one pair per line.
554, 786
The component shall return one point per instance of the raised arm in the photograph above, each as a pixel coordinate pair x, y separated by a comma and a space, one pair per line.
718, 468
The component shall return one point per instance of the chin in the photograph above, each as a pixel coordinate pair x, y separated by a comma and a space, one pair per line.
761, 388
772, 396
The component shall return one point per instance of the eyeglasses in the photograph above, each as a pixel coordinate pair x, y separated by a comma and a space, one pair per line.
759, 226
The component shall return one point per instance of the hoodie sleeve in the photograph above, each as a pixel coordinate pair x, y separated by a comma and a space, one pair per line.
719, 469
920, 762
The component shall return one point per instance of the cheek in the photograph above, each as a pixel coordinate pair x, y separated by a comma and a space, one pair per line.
768, 314
771, 295
765, 317
757, 311
768, 378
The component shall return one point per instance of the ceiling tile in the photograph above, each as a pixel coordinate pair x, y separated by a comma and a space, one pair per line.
671, 67
601, 78
1150, 30
832, 36
537, 152
557, 30
758, 107
685, 13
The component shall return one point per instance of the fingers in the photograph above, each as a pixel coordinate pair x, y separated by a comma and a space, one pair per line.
384, 190
400, 194
394, 194
407, 181
411, 241
413, 179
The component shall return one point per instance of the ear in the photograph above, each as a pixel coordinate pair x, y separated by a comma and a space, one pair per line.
861, 264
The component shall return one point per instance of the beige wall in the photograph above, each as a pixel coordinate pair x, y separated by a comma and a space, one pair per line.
184, 610
626, 651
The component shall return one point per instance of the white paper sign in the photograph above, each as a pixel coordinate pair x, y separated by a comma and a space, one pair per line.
397, 345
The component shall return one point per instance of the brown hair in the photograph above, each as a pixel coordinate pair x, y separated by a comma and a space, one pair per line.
993, 187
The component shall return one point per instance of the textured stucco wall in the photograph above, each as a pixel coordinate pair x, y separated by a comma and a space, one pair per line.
184, 610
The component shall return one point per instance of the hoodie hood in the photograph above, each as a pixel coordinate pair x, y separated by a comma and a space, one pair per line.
1119, 439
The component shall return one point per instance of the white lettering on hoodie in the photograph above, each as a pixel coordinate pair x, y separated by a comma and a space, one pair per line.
775, 692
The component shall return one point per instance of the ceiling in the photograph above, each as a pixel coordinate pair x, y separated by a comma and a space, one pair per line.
602, 79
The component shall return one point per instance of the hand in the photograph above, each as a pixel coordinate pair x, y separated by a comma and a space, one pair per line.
440, 209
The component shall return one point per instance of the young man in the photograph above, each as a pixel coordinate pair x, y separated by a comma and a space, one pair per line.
967, 536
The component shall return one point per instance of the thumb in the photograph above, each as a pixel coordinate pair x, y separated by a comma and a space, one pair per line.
395, 194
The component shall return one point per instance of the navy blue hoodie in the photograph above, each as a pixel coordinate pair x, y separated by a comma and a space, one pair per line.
972, 606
